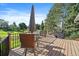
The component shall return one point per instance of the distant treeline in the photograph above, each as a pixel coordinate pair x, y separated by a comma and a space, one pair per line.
13, 27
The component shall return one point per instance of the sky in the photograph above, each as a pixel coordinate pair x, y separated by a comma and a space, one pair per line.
20, 12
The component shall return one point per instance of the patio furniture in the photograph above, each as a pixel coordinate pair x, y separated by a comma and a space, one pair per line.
43, 33
27, 41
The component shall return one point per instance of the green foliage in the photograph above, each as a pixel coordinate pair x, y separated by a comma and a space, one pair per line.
61, 18
13, 27
4, 25
37, 26
70, 27
54, 18
42, 26
22, 26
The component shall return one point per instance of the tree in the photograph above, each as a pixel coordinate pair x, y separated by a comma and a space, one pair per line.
70, 27
22, 26
63, 14
38, 26
13, 27
42, 26
4, 25
54, 18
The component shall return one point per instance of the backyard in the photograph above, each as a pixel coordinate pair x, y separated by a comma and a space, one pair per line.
54, 32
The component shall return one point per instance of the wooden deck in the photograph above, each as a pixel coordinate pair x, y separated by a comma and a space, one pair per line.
51, 46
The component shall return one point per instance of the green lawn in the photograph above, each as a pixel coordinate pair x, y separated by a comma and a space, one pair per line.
3, 34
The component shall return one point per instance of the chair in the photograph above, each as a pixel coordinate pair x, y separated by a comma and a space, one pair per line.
27, 41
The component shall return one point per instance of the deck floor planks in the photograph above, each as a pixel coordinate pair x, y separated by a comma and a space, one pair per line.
62, 50
76, 47
73, 49
59, 47
77, 44
69, 48
54, 47
66, 48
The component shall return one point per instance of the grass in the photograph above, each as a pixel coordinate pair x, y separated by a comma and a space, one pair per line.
3, 34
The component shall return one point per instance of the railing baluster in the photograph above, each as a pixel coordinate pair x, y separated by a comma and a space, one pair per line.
10, 42
17, 39
14, 40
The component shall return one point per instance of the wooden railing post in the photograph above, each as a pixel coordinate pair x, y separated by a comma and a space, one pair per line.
9, 41
0, 49
5, 46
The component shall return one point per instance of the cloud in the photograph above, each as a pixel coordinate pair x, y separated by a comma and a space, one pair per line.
12, 15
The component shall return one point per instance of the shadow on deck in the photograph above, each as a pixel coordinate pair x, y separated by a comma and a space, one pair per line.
44, 48
53, 52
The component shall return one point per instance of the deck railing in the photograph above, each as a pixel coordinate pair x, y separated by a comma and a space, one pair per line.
4, 47
10, 42
14, 40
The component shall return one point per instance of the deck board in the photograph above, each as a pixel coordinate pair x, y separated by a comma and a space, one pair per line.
51, 46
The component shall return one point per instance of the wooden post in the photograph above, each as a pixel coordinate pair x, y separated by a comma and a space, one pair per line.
9, 41
34, 51
25, 51
0, 49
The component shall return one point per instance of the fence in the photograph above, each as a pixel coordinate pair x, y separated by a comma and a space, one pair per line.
4, 47
10, 42
14, 40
